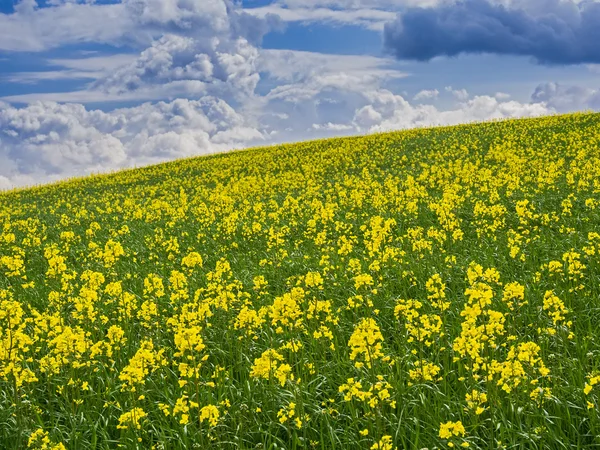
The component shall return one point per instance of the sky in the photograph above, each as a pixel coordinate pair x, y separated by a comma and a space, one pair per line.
93, 86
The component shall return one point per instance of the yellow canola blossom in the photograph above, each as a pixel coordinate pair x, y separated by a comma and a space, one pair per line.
380, 291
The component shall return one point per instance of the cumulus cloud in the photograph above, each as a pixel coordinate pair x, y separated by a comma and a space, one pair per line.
426, 94
173, 59
551, 32
566, 98
459, 94
46, 141
301, 75
404, 115
187, 48
319, 98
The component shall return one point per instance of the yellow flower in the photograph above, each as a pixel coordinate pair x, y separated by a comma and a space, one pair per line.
450, 429
131, 419
366, 341
210, 414
385, 443
270, 365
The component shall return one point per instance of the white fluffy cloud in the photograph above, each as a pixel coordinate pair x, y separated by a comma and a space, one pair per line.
46, 141
187, 48
460, 94
395, 112
350, 94
173, 60
567, 98
426, 94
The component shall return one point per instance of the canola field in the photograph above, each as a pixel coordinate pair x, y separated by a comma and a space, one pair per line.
425, 289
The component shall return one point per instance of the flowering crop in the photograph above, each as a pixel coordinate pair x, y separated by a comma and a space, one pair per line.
430, 288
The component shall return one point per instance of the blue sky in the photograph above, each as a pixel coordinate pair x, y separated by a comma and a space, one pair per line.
90, 86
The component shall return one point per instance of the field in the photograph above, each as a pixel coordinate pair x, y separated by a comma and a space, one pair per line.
430, 288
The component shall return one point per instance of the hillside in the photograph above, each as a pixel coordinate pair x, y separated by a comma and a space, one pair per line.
427, 288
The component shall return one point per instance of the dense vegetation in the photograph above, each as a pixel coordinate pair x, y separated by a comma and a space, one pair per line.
422, 289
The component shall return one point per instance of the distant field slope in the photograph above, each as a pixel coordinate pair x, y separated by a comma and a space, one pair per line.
430, 288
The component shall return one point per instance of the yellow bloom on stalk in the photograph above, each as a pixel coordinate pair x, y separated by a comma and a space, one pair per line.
259, 282
140, 366
354, 389
436, 292
192, 260
210, 414
286, 311
554, 307
363, 280
249, 320
112, 252
153, 286
188, 339
313, 279
385, 443
522, 363
425, 371
116, 335
270, 365
287, 413
40, 440
450, 430
366, 342
131, 419
476, 400
514, 295
592, 381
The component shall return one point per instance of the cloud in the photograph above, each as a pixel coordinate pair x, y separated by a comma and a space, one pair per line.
327, 96
396, 113
173, 66
354, 4
47, 141
373, 19
173, 58
305, 95
459, 94
103, 63
369, 14
130, 22
567, 98
187, 49
300, 75
72, 69
551, 32
426, 94
44, 28
295, 65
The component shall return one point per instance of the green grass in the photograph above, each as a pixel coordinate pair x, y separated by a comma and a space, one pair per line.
399, 207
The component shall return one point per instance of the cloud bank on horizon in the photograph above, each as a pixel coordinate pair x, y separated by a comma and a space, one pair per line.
94, 86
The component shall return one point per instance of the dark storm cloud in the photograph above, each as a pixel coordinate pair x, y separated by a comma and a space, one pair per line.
559, 33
